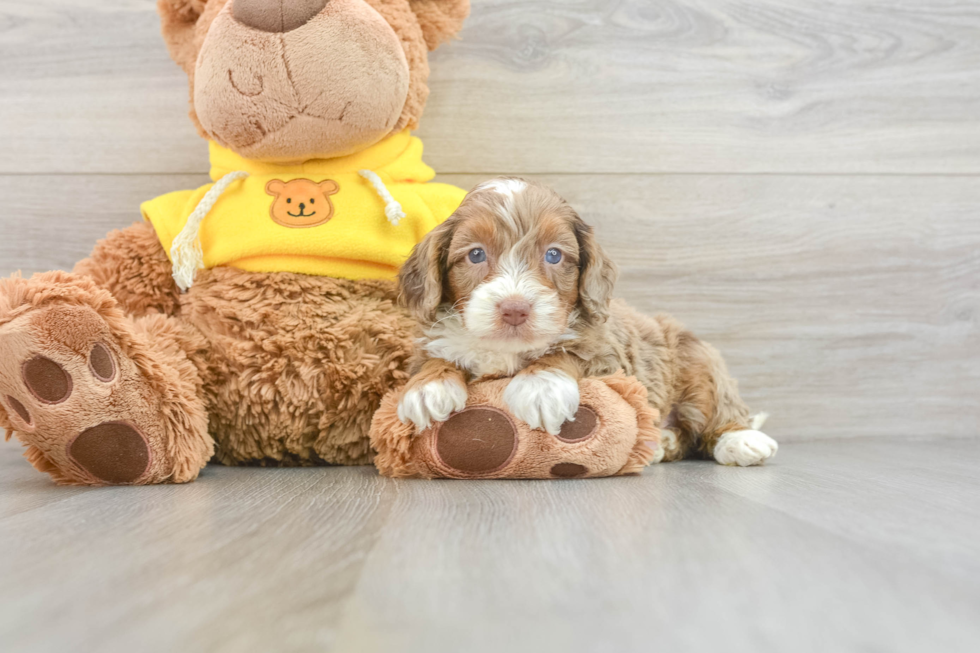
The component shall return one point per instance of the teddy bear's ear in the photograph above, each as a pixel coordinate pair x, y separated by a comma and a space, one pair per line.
178, 19
440, 19
275, 187
329, 187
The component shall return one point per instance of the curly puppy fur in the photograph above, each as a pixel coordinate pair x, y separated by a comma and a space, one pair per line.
514, 284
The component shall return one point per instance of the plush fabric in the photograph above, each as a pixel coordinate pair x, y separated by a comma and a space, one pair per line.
248, 227
110, 375
68, 322
286, 97
267, 369
281, 127
277, 16
615, 432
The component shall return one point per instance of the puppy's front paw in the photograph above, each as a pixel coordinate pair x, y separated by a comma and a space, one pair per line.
545, 399
745, 448
431, 402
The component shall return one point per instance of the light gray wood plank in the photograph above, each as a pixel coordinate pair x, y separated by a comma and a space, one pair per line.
19, 487
723, 86
921, 493
87, 86
845, 305
236, 561
585, 86
688, 556
670, 561
50, 222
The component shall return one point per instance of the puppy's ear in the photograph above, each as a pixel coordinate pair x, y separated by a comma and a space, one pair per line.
597, 274
421, 280
440, 20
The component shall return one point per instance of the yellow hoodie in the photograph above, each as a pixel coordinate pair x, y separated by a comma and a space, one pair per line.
329, 217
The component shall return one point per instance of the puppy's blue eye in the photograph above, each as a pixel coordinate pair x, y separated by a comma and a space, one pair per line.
552, 256
477, 255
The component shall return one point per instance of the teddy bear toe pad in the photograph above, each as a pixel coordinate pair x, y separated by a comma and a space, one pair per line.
476, 440
581, 428
62, 386
113, 452
47, 380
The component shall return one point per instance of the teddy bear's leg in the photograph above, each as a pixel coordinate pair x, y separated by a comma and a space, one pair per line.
130, 263
97, 396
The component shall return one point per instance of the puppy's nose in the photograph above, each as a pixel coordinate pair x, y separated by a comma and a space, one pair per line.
276, 15
302, 206
514, 311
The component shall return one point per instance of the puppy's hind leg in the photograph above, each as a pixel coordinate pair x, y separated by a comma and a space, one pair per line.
745, 447
713, 417
676, 440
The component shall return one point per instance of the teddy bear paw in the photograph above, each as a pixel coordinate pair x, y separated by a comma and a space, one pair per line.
77, 401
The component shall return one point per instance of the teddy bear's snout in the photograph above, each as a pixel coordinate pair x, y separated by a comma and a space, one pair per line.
276, 16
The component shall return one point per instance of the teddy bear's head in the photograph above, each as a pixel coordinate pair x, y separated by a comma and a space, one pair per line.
289, 80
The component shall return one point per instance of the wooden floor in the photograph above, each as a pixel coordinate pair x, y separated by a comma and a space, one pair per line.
864, 545
797, 180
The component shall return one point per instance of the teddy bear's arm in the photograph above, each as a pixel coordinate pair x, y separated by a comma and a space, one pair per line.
130, 263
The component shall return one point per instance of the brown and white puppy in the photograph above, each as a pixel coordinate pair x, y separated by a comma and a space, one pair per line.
514, 284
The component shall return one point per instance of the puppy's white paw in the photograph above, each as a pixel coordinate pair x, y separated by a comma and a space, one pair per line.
544, 399
434, 401
745, 448
669, 444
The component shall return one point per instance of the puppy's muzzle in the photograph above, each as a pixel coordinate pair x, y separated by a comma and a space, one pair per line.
514, 311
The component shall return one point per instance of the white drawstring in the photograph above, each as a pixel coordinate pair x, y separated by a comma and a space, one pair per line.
185, 252
393, 210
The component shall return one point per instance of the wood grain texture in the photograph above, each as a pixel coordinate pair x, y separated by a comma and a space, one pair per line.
846, 305
573, 86
795, 179
863, 545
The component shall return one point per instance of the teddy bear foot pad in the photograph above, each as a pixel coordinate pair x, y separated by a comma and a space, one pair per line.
84, 409
482, 440
614, 432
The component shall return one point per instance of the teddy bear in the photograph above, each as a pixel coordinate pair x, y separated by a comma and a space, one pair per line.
253, 320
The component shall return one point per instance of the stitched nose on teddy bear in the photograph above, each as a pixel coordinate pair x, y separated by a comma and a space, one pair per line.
276, 15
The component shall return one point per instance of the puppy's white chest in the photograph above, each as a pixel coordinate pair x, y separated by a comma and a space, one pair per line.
476, 360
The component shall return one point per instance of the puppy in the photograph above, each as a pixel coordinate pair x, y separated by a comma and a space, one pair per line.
513, 284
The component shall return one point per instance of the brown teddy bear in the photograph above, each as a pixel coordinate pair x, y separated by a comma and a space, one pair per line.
253, 319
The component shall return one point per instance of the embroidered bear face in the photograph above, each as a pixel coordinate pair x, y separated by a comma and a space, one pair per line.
301, 202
